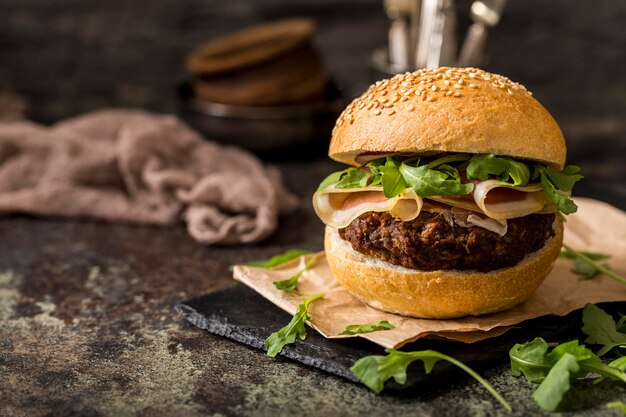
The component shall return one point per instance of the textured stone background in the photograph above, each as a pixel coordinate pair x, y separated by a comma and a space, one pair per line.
87, 325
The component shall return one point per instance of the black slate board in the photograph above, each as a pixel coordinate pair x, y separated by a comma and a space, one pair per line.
240, 314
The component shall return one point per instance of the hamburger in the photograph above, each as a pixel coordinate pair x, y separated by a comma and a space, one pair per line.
454, 201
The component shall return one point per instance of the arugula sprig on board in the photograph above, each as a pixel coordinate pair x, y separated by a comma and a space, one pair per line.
446, 176
375, 370
601, 329
555, 369
287, 335
353, 329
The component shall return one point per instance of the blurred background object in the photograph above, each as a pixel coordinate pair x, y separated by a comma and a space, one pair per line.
68, 56
485, 14
264, 88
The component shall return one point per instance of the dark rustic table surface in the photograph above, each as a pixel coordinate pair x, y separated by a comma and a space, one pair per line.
87, 320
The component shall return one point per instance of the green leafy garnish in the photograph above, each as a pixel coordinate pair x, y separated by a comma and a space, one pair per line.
586, 265
448, 175
601, 329
429, 182
367, 328
620, 405
279, 259
375, 370
582, 268
291, 284
555, 369
391, 179
556, 185
287, 335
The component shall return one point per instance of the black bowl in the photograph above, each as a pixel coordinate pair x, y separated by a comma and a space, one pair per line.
298, 131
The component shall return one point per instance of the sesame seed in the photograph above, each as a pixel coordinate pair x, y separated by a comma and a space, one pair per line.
449, 93
457, 94
431, 98
404, 98
434, 88
508, 90
376, 112
457, 85
391, 112
361, 105
383, 100
411, 107
369, 106
446, 82
472, 85
472, 75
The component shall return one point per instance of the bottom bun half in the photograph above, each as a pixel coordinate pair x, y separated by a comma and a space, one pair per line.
438, 294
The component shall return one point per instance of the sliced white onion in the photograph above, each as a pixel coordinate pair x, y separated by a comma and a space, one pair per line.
497, 226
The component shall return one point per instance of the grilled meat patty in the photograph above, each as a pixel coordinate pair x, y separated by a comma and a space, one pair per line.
430, 242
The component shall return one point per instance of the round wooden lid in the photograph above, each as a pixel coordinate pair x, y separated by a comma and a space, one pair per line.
249, 46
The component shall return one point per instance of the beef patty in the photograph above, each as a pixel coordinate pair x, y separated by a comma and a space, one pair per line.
431, 243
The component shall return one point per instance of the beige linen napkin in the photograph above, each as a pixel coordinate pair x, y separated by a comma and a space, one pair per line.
596, 227
134, 166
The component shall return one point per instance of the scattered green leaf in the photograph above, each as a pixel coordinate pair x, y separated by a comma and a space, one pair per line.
287, 335
620, 405
554, 369
291, 284
590, 259
367, 328
601, 329
375, 370
557, 382
279, 259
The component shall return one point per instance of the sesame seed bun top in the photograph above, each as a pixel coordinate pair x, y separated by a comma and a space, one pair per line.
448, 110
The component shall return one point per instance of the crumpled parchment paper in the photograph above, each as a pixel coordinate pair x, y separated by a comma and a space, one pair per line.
596, 227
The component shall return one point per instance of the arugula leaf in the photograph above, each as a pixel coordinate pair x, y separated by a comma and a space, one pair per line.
531, 360
375, 370
582, 268
331, 179
348, 178
451, 171
620, 405
619, 363
367, 328
601, 329
482, 166
428, 182
354, 178
279, 259
448, 159
291, 284
519, 172
557, 382
553, 181
555, 369
588, 258
392, 180
565, 179
287, 335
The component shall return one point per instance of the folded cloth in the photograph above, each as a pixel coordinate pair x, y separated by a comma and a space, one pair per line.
134, 166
